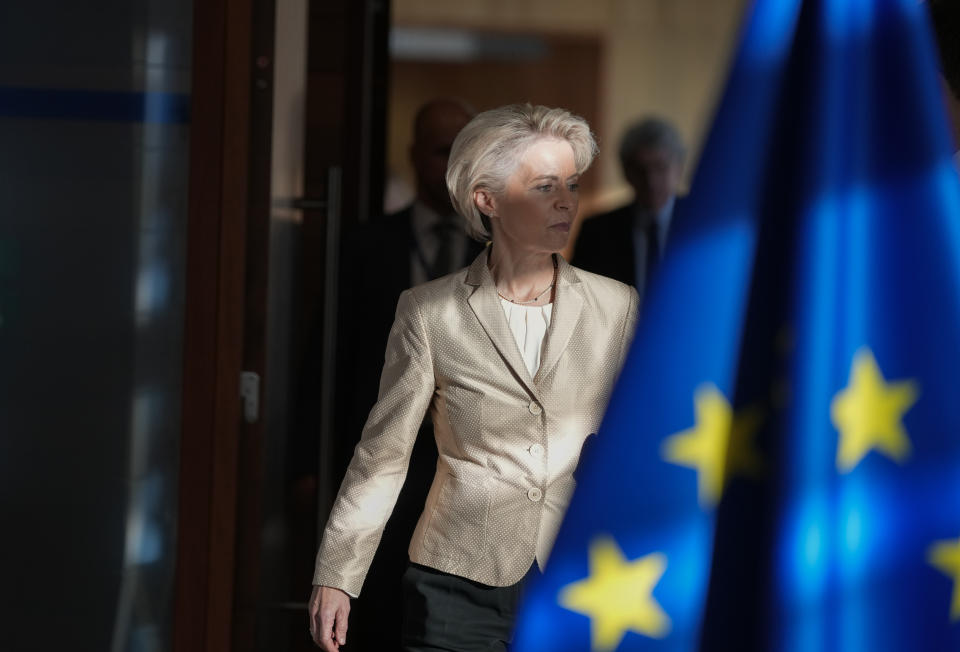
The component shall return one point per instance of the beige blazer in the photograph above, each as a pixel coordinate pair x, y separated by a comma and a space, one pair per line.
508, 443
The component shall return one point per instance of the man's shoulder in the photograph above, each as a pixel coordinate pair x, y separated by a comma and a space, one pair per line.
601, 233
385, 230
401, 220
404, 214
611, 222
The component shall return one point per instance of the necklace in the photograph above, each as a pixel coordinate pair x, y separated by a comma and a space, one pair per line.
528, 301
536, 298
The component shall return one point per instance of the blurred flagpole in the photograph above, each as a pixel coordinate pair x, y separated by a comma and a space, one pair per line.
779, 466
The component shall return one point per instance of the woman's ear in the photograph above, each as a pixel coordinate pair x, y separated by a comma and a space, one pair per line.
484, 200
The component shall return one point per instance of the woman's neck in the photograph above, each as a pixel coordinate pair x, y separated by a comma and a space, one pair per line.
521, 276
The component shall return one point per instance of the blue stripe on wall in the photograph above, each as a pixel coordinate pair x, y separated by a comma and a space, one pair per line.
106, 106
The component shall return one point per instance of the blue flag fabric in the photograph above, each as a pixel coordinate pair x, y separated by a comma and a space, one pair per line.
779, 466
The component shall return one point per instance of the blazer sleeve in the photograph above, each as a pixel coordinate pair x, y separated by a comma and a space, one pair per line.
379, 464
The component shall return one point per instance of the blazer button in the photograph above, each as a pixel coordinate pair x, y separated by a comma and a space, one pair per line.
535, 494
537, 451
535, 408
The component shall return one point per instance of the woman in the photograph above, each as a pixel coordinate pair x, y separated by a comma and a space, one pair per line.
514, 358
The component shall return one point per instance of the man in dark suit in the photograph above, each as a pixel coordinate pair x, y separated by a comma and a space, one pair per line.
627, 243
381, 259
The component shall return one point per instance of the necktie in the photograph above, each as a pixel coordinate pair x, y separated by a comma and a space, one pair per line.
653, 252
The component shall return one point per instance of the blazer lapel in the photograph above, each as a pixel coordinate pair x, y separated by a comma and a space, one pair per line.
567, 306
486, 306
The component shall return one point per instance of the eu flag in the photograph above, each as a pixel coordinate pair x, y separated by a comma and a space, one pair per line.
779, 466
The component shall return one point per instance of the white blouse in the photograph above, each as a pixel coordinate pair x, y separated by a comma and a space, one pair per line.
529, 327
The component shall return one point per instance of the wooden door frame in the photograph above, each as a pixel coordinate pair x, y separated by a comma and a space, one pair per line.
215, 597
216, 306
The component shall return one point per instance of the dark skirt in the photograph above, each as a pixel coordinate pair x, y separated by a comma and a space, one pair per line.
448, 612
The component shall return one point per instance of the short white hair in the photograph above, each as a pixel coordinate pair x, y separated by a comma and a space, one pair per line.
487, 151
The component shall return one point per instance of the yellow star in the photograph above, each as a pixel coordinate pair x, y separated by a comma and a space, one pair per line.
617, 596
945, 556
718, 446
868, 413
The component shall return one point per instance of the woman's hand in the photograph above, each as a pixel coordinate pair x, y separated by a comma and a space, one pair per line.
329, 608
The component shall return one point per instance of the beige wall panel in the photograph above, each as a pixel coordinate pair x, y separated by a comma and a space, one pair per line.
668, 57
567, 77
591, 16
